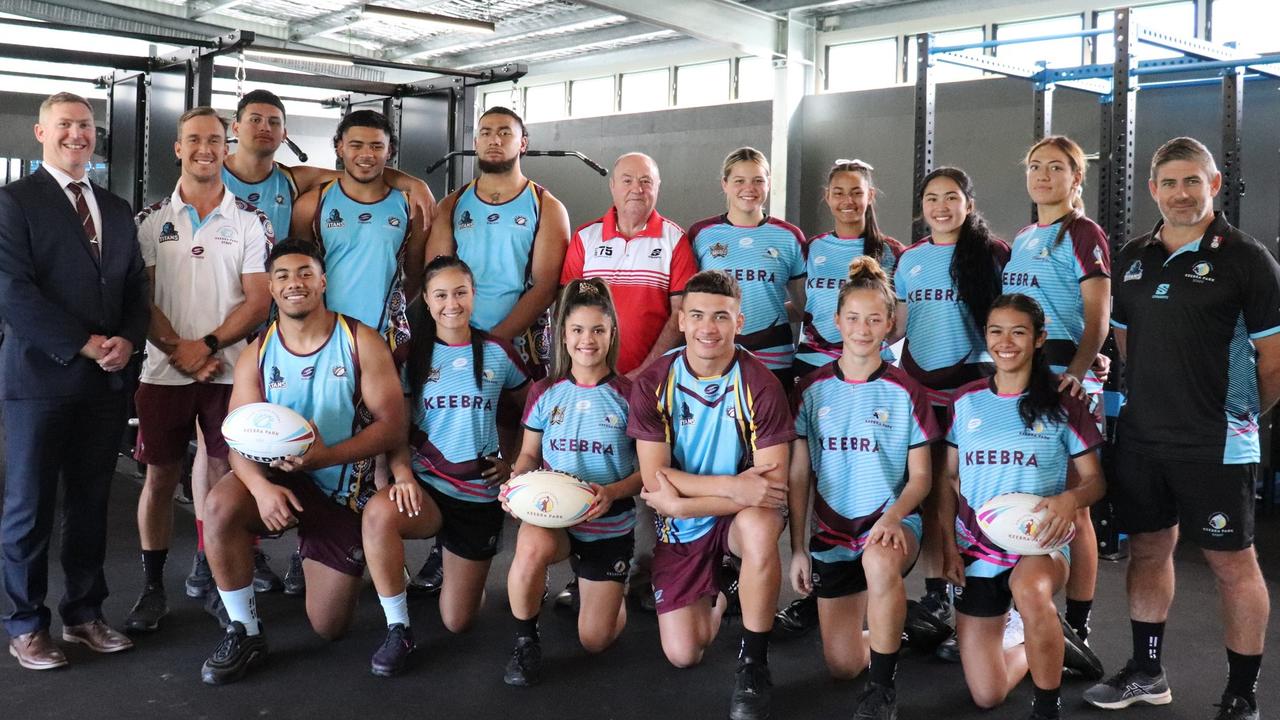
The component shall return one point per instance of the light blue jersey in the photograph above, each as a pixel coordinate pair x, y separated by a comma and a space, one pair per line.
584, 433
496, 241
274, 196
827, 259
763, 259
859, 435
999, 454
454, 423
713, 425
365, 246
324, 387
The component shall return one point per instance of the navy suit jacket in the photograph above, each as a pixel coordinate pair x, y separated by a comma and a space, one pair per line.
54, 295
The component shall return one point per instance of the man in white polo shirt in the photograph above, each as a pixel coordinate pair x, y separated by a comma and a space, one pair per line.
205, 253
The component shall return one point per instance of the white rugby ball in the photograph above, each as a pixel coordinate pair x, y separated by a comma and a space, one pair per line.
1009, 522
549, 499
265, 432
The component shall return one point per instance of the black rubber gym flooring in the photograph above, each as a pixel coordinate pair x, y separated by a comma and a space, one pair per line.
461, 676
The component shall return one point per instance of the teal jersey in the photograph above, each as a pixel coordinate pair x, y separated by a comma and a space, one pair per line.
827, 259
274, 196
454, 422
324, 387
584, 433
365, 246
713, 425
496, 241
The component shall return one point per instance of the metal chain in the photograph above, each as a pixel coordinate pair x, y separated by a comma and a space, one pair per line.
240, 76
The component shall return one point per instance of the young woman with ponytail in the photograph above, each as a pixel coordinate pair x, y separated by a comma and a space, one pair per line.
944, 290
448, 473
1034, 431
864, 430
581, 404
850, 196
1063, 261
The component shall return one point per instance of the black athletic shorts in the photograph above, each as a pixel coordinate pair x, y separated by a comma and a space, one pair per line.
607, 559
469, 530
842, 578
985, 596
1211, 503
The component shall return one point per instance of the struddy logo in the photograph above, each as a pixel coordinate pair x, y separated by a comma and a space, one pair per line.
604, 251
820, 260
1134, 272
1200, 273
394, 221
197, 250
557, 415
308, 371
719, 250
686, 415
747, 242
582, 405
655, 253
464, 221
712, 390
493, 218
276, 381
1162, 292
917, 269
254, 197
365, 217
334, 220
339, 371
974, 423
168, 233
522, 220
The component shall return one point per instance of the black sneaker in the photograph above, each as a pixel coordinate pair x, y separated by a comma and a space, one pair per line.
928, 620
295, 582
431, 577
1234, 707
525, 666
1077, 655
752, 692
877, 702
146, 613
264, 578
237, 654
568, 597
798, 617
1130, 685
948, 650
213, 605
1039, 716
391, 658
200, 581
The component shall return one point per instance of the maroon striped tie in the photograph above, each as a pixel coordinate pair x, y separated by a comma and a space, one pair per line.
86, 219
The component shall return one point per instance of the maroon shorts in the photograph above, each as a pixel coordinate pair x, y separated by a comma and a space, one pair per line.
328, 533
684, 573
167, 417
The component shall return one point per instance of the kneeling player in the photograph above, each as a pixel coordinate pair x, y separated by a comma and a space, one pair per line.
1015, 432
338, 373
576, 422
864, 429
712, 429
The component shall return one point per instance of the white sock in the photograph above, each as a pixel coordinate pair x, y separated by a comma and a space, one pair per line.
242, 608
396, 608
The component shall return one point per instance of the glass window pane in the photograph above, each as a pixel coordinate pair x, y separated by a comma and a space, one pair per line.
648, 90
505, 98
1175, 18
1251, 24
1066, 52
944, 71
869, 64
755, 78
591, 97
702, 84
544, 102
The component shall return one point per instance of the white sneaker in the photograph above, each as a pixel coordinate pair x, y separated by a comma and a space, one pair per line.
1014, 633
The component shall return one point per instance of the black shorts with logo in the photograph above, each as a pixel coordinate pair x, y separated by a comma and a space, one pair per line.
469, 530
607, 559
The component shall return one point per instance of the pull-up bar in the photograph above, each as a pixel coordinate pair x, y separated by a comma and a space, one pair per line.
1015, 41
531, 153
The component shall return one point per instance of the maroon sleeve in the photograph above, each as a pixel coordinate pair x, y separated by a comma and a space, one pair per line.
771, 419
648, 419
1001, 250
1093, 252
535, 392
1082, 423
921, 408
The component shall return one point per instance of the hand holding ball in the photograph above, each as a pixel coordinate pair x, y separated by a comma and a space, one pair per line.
1011, 522
549, 499
266, 432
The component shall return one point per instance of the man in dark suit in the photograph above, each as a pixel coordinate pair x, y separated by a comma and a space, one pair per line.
75, 304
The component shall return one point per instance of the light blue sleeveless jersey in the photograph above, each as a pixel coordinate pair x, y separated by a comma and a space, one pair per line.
274, 196
496, 241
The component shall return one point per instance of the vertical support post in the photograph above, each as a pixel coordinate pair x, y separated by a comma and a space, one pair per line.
1104, 170
200, 81
1122, 132
462, 133
1204, 20
1042, 106
926, 101
793, 78
1232, 173
391, 110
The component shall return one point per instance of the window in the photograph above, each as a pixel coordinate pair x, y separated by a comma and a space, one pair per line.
591, 97
702, 84
505, 98
755, 78
1250, 24
1066, 52
646, 90
944, 71
544, 102
860, 65
1175, 18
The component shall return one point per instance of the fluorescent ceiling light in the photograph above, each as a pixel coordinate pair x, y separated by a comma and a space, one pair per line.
281, 54
443, 22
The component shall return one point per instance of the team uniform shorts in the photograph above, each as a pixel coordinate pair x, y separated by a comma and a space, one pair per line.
167, 416
684, 573
328, 533
606, 559
988, 596
849, 577
470, 530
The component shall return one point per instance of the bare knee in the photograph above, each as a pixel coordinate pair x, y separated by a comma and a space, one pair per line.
328, 627
596, 641
844, 668
379, 516
457, 622
759, 529
685, 656
987, 698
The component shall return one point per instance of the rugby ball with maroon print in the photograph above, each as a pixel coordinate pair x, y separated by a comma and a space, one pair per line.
549, 499
265, 432
1009, 522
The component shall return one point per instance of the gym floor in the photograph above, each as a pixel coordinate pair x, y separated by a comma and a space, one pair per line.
461, 676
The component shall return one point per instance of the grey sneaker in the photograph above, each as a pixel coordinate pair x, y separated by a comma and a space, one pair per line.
147, 612
200, 582
264, 578
295, 581
1077, 656
1130, 685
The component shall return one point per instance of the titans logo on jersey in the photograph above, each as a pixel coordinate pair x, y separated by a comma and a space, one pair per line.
584, 433
710, 431
1000, 454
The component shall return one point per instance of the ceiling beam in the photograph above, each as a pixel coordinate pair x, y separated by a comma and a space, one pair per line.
324, 23
741, 27
530, 51
507, 31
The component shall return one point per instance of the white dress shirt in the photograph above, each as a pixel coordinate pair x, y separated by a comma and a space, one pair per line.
64, 180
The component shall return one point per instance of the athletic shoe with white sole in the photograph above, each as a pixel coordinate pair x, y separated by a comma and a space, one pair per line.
1129, 686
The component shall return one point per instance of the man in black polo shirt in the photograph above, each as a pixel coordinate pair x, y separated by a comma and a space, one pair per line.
1196, 311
